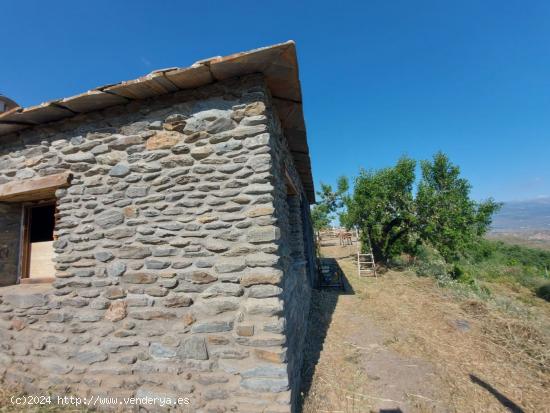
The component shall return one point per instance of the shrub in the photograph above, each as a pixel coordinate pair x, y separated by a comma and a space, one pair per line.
400, 262
544, 291
429, 263
436, 268
457, 272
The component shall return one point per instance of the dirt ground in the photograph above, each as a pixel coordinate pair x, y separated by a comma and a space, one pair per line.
401, 343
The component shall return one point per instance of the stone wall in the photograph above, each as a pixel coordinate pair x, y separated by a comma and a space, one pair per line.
293, 252
180, 261
10, 227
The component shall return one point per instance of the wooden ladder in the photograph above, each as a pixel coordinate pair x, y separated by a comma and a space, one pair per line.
366, 267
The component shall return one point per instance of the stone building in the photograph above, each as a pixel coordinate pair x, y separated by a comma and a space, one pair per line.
155, 237
6, 104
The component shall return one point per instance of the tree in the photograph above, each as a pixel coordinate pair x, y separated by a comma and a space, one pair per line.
447, 218
320, 217
382, 208
323, 213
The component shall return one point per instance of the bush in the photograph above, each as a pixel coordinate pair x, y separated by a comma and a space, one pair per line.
497, 261
429, 263
400, 262
492, 261
544, 292
437, 269
457, 272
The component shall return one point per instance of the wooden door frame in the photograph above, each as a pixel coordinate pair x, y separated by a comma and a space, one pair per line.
25, 256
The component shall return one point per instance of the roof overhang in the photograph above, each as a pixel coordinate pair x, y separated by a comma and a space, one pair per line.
278, 64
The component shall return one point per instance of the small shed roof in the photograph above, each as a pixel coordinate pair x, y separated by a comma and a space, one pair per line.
8, 103
278, 63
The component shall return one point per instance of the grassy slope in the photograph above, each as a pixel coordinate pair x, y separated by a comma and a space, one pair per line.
511, 264
501, 339
488, 263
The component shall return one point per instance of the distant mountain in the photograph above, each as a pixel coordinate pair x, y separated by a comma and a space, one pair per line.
529, 215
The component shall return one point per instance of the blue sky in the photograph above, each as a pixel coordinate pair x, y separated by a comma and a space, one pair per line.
380, 78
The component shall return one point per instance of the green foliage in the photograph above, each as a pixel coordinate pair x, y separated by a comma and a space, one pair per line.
485, 260
320, 217
497, 261
511, 254
323, 213
328, 197
439, 232
430, 263
382, 207
442, 214
544, 291
400, 262
447, 218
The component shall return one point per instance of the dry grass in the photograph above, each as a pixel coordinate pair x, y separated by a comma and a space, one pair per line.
501, 351
520, 340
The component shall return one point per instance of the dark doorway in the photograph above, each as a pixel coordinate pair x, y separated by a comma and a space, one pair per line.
42, 223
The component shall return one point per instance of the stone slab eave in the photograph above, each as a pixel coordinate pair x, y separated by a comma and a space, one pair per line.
278, 63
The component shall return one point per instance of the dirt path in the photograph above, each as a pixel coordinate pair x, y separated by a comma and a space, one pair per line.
399, 343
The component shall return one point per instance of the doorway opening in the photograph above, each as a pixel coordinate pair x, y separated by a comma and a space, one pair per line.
38, 238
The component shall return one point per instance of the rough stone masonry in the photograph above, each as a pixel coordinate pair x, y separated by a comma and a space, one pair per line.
183, 251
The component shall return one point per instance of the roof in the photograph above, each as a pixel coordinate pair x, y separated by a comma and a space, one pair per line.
278, 63
9, 103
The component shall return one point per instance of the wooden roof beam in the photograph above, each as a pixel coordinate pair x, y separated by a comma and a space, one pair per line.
34, 189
